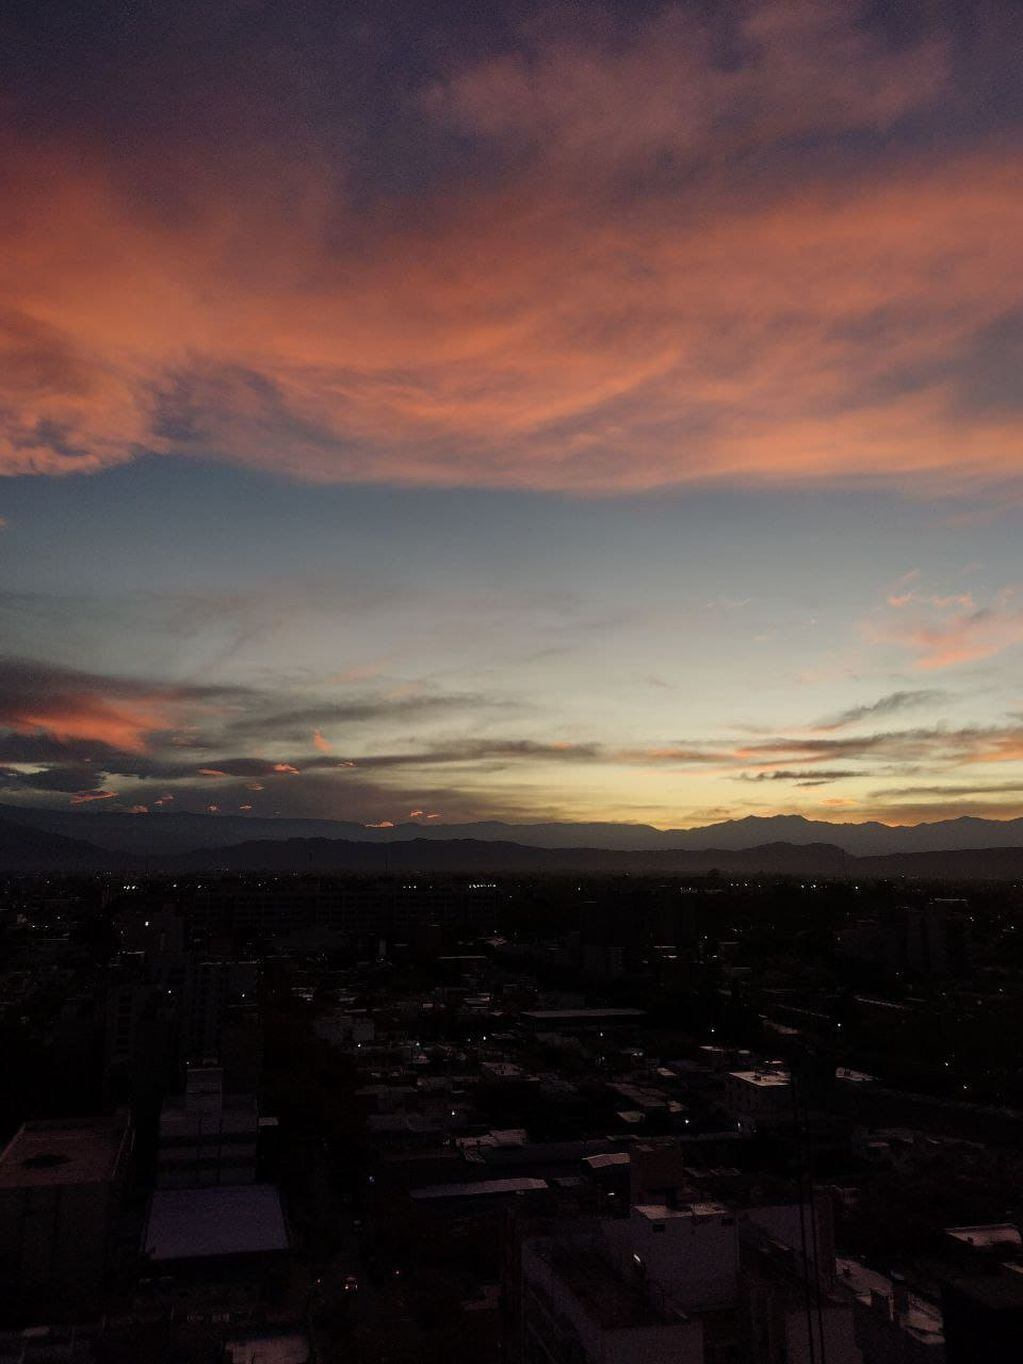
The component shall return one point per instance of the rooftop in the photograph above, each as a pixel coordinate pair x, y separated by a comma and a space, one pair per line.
481, 1188
764, 1079
660, 1212
187, 1224
921, 1319
581, 1015
989, 1236
598, 1162
288, 1348
69, 1151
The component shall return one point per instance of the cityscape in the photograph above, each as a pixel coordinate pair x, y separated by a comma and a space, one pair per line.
312, 1117
511, 639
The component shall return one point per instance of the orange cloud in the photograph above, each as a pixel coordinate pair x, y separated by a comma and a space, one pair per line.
383, 824
793, 324
287, 768
120, 723
211, 772
319, 742
83, 797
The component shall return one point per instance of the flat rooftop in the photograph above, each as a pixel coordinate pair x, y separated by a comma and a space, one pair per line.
608, 1158
190, 1224
71, 1151
763, 1079
581, 1015
988, 1236
291, 1347
660, 1212
920, 1319
481, 1188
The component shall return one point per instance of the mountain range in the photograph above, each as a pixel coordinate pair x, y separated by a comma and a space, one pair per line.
29, 843
156, 834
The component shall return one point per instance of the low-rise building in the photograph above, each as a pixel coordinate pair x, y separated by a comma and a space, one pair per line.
758, 1097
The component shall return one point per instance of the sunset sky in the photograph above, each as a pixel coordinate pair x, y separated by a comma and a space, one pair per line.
512, 410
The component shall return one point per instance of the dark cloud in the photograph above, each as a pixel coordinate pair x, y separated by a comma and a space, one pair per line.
810, 777
297, 723
892, 704
25, 681
973, 789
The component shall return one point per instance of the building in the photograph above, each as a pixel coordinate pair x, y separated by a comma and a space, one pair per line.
682, 1277
347, 1030
207, 1137
892, 1325
211, 989
217, 1232
756, 1098
60, 1189
578, 1306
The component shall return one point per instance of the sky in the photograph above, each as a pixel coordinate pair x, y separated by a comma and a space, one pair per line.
451, 411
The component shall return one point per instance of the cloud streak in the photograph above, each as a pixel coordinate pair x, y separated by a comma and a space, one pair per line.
893, 704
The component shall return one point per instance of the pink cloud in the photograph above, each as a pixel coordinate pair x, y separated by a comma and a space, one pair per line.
211, 772
322, 744
944, 630
83, 797
382, 824
745, 329
966, 638
286, 768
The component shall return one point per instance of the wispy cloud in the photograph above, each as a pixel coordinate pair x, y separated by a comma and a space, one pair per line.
807, 777
892, 704
943, 631
808, 316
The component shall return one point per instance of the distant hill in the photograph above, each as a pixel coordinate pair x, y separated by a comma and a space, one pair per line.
25, 849
165, 832
475, 855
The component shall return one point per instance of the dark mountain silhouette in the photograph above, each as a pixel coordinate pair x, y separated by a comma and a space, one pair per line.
24, 849
475, 855
165, 832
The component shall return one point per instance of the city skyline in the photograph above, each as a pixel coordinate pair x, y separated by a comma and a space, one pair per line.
545, 415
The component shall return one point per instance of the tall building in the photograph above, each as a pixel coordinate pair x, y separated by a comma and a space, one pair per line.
207, 1137
60, 1188
211, 988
